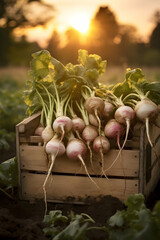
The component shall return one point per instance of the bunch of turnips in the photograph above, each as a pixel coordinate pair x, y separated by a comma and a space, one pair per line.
79, 115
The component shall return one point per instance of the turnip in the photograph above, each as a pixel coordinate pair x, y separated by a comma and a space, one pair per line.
76, 149
146, 111
95, 105
101, 145
108, 111
78, 125
93, 120
38, 131
124, 115
89, 134
114, 130
54, 148
62, 125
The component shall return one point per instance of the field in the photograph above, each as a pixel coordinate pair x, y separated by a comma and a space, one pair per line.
112, 75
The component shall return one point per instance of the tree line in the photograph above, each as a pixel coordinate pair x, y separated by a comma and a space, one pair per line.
117, 43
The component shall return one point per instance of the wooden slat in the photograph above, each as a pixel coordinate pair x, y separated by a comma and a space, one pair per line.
30, 139
61, 187
29, 124
35, 158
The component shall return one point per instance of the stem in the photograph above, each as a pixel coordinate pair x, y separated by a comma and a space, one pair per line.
86, 95
83, 112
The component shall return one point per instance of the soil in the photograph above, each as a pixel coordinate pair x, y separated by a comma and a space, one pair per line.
22, 220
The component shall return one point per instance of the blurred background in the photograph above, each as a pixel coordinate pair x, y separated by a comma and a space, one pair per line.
125, 33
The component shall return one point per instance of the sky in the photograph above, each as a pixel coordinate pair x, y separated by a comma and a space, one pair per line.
136, 12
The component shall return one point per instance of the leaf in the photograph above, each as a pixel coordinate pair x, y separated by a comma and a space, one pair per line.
116, 219
74, 231
135, 202
57, 69
134, 75
9, 173
92, 61
40, 63
54, 217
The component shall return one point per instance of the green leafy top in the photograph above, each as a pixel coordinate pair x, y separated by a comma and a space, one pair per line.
135, 86
61, 82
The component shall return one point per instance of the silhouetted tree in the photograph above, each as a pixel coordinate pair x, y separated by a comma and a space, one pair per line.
155, 35
53, 45
69, 52
14, 14
104, 29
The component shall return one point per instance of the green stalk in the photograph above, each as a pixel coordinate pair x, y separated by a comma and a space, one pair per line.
83, 112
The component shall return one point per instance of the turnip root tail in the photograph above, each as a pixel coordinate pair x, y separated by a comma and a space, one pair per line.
63, 132
118, 140
82, 161
102, 162
99, 122
147, 131
45, 182
78, 135
127, 132
90, 155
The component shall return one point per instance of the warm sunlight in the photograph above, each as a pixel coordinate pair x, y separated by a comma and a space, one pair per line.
80, 22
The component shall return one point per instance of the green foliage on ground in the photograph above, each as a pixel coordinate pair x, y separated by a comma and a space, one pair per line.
12, 109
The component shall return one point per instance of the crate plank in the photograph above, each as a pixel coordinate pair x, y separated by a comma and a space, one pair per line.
61, 187
34, 158
29, 124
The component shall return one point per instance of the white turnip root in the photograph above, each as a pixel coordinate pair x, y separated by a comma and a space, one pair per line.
101, 145
54, 148
124, 115
38, 131
114, 130
89, 134
93, 120
146, 111
76, 149
78, 125
108, 111
95, 105
47, 134
62, 125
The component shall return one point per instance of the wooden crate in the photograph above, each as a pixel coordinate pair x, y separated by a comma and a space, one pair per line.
136, 170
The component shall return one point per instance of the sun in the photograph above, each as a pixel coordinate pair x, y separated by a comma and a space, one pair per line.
80, 22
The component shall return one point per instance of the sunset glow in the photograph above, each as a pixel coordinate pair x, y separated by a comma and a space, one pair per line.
80, 22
